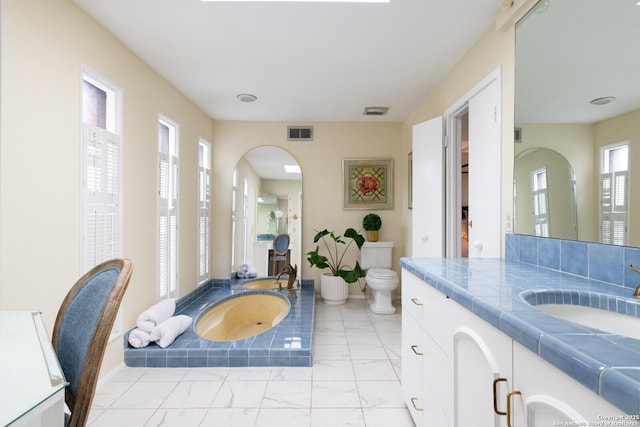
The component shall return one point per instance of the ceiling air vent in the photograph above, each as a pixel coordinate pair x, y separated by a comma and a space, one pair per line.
375, 111
300, 133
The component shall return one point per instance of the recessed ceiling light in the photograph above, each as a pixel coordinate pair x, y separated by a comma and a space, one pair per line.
246, 97
603, 101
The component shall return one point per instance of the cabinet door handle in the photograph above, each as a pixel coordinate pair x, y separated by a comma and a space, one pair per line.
416, 301
509, 396
495, 396
413, 402
413, 347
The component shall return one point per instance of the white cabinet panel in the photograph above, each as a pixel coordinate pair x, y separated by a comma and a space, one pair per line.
549, 396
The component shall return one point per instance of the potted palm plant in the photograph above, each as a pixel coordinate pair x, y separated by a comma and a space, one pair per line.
334, 287
372, 223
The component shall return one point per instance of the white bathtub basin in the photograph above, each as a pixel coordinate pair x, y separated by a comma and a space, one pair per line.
607, 321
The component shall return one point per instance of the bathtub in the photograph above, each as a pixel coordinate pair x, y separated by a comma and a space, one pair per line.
268, 283
242, 316
289, 343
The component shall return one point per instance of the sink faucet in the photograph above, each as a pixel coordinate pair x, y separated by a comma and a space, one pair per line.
637, 292
291, 272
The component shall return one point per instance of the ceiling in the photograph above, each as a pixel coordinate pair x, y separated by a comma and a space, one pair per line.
570, 52
269, 161
304, 61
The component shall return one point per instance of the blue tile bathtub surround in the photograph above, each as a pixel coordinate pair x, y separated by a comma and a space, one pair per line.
289, 343
504, 292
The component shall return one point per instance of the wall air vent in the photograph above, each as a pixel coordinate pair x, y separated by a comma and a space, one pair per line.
517, 135
375, 111
300, 133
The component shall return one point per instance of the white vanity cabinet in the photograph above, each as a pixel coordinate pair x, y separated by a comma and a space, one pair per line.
460, 357
459, 370
425, 366
482, 371
549, 396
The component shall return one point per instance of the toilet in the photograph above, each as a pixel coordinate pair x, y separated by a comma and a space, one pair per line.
375, 257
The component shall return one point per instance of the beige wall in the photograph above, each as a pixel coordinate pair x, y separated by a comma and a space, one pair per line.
580, 144
44, 45
575, 142
618, 129
321, 164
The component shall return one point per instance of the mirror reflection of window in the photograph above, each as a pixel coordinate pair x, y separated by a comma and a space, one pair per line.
540, 202
234, 217
614, 175
245, 220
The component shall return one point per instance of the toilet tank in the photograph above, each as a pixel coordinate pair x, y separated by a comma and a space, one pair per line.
376, 255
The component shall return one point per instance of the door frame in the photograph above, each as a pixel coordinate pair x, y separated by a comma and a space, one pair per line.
452, 171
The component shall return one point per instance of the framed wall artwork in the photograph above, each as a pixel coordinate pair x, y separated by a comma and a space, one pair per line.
367, 183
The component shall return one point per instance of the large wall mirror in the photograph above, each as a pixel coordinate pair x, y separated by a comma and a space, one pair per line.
577, 100
266, 201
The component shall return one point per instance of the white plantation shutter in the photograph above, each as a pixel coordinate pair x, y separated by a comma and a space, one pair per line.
168, 226
101, 193
204, 228
613, 207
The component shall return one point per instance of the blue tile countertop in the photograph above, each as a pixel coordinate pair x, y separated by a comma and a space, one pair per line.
497, 290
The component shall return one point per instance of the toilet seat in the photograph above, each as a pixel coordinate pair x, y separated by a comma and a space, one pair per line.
382, 274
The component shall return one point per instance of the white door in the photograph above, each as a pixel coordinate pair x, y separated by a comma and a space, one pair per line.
428, 183
484, 172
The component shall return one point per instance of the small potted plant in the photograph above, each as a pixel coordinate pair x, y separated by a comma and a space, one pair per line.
334, 283
372, 223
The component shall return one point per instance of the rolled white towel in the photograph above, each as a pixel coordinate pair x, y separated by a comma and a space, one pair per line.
252, 272
166, 332
139, 338
157, 314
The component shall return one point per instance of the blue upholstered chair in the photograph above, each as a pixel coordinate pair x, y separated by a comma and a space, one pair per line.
280, 248
82, 330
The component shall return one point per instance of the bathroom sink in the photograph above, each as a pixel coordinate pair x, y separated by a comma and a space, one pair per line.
607, 321
574, 306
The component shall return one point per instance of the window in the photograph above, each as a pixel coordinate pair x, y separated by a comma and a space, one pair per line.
167, 209
245, 219
204, 207
540, 202
614, 180
234, 219
101, 175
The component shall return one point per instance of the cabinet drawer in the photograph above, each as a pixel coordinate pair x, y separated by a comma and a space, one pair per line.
437, 372
413, 296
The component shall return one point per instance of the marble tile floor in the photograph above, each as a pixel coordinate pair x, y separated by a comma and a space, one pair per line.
354, 381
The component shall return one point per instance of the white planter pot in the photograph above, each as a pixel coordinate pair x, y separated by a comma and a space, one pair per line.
333, 289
